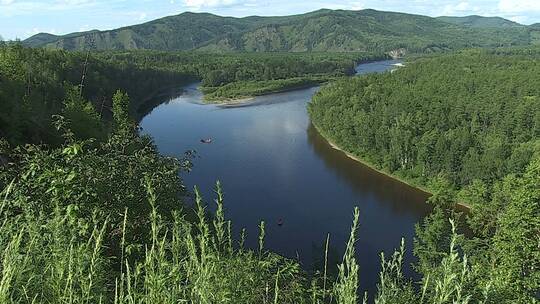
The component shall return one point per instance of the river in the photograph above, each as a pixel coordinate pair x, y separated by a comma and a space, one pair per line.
274, 165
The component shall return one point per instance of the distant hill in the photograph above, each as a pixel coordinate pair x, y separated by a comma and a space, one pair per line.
45, 38
182, 32
41, 39
323, 30
365, 30
535, 33
481, 22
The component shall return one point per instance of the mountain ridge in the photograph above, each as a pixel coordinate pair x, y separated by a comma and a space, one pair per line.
481, 21
321, 30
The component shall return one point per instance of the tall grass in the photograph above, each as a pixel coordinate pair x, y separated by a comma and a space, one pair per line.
62, 258
346, 289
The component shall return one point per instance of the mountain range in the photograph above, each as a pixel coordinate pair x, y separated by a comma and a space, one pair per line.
322, 30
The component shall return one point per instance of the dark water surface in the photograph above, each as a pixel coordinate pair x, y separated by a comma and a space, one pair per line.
273, 164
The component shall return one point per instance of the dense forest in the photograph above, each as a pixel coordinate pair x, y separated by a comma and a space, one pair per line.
323, 30
38, 83
481, 21
465, 126
470, 118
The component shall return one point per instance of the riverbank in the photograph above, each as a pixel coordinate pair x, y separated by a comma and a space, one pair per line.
232, 101
423, 188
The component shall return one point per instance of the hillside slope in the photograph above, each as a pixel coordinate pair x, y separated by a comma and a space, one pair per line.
480, 21
366, 30
182, 32
323, 30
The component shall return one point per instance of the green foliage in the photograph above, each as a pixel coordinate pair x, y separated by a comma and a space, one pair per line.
219, 69
463, 126
36, 84
61, 258
103, 178
104, 221
432, 240
445, 123
481, 22
517, 239
120, 110
393, 287
67, 236
346, 287
245, 89
448, 282
81, 116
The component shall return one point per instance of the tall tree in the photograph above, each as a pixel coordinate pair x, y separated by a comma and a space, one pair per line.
121, 109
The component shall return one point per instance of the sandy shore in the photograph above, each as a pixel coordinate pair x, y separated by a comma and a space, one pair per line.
462, 206
231, 102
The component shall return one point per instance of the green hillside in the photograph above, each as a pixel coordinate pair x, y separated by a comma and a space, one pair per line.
323, 30
481, 22
40, 39
535, 33
183, 32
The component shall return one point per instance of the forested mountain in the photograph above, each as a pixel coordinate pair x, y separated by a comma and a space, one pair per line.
480, 21
183, 32
45, 38
323, 30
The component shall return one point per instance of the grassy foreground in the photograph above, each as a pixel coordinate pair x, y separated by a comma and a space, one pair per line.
58, 259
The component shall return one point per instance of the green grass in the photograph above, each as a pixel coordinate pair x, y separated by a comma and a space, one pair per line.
61, 258
56, 258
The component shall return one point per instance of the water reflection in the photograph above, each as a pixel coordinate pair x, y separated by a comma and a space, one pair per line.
364, 180
274, 165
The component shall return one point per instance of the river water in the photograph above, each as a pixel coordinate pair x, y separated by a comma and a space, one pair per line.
274, 165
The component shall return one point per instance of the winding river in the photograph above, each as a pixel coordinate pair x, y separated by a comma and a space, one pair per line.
274, 165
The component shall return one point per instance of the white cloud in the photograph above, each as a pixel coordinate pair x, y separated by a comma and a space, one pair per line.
198, 4
357, 6
460, 8
518, 19
6, 2
74, 2
516, 6
36, 30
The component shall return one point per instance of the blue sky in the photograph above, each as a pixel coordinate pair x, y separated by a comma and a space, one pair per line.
23, 18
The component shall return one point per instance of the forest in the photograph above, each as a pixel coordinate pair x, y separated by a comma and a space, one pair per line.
92, 213
231, 76
466, 127
36, 83
467, 119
